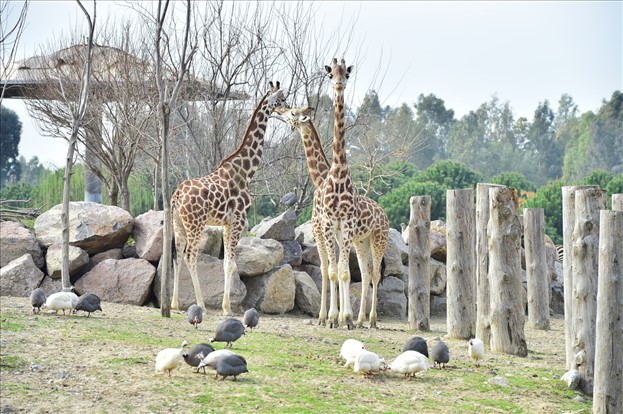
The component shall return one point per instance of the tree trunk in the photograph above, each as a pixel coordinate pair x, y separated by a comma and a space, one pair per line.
156, 187
125, 195
536, 268
419, 266
461, 283
93, 184
506, 290
617, 202
167, 229
608, 388
69, 163
483, 306
585, 258
568, 221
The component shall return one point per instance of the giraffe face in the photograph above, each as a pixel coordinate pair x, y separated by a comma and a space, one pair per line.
295, 116
339, 73
276, 98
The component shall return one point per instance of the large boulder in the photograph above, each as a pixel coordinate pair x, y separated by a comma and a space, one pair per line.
255, 256
126, 281
211, 281
437, 237
310, 254
393, 260
273, 292
78, 260
396, 239
94, 260
307, 298
438, 277
292, 253
148, 235
93, 227
20, 276
15, 241
313, 271
211, 241
304, 233
279, 228
391, 298
50, 285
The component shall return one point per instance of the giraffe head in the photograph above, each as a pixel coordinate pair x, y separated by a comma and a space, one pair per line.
339, 73
295, 116
275, 98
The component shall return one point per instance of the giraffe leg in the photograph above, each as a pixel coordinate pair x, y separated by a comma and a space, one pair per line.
191, 262
378, 250
180, 247
322, 252
231, 236
346, 311
333, 279
363, 258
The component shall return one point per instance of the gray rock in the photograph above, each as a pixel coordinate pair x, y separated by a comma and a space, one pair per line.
50, 285
500, 381
304, 233
438, 277
20, 276
557, 295
212, 241
392, 300
310, 254
78, 259
255, 256
148, 235
437, 236
279, 228
126, 281
307, 297
92, 227
116, 254
314, 272
292, 253
393, 260
15, 241
396, 239
438, 306
273, 292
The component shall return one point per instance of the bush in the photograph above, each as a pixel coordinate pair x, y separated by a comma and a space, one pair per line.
397, 206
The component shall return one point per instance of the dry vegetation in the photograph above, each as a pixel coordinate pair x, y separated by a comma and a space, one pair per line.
105, 364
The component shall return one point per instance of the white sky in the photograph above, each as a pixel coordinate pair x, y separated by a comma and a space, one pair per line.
463, 52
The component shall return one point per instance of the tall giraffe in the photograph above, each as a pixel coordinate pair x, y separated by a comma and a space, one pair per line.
220, 199
371, 232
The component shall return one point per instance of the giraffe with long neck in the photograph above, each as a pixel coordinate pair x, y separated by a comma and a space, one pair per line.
371, 233
221, 198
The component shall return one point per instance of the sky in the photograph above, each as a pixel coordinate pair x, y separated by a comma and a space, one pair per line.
523, 52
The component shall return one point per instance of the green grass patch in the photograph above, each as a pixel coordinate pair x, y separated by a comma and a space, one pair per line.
12, 363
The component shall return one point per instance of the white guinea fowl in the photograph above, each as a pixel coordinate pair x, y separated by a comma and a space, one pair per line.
211, 358
61, 301
170, 358
409, 363
349, 351
476, 350
368, 363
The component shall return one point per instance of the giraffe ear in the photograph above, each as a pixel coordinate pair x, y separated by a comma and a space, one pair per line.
278, 85
270, 85
327, 68
308, 110
350, 69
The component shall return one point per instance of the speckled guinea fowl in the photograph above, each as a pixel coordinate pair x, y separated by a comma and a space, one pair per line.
228, 330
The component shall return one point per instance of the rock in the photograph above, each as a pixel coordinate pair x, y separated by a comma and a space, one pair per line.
280, 228
126, 281
50, 285
211, 280
393, 260
273, 292
148, 235
307, 297
355, 299
314, 272
20, 276
498, 380
78, 259
292, 253
129, 251
310, 254
255, 256
116, 254
437, 236
438, 277
396, 239
92, 227
391, 298
304, 233
438, 306
15, 241
211, 242
557, 295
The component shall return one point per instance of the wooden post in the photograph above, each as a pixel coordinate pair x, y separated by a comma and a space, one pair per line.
536, 268
460, 261
568, 221
617, 202
585, 258
419, 263
608, 388
506, 290
483, 320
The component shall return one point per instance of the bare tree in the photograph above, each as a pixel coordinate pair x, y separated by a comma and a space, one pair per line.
10, 35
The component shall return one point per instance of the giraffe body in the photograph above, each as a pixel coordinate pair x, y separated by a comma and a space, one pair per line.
221, 198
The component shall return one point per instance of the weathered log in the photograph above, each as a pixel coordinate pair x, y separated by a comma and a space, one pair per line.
419, 258
460, 264
506, 290
617, 202
536, 268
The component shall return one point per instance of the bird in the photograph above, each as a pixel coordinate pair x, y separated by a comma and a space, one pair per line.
251, 318
60, 301
349, 351
88, 303
418, 344
195, 315
230, 366
197, 353
170, 358
409, 363
368, 363
289, 199
210, 359
476, 350
440, 354
228, 330
37, 299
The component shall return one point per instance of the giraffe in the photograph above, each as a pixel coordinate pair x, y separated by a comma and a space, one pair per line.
220, 199
371, 232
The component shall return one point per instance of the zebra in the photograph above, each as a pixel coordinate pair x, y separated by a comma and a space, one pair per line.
560, 252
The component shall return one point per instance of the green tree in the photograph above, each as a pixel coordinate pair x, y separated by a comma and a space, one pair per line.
450, 175
514, 180
598, 177
606, 150
615, 186
10, 135
397, 207
549, 198
543, 146
433, 123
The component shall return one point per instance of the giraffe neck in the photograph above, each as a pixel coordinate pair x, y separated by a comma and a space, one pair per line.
339, 145
317, 162
245, 161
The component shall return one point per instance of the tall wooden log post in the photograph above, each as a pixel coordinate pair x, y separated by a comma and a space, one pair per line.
608, 387
585, 258
536, 268
568, 221
483, 320
419, 263
617, 202
506, 290
460, 264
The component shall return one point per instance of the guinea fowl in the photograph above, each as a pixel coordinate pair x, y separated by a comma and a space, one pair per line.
409, 363
418, 344
228, 331
368, 363
37, 300
230, 366
251, 318
289, 199
89, 303
476, 350
170, 358
195, 315
440, 354
349, 351
60, 301
197, 353
210, 359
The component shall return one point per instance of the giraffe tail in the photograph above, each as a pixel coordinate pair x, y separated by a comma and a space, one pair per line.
383, 265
